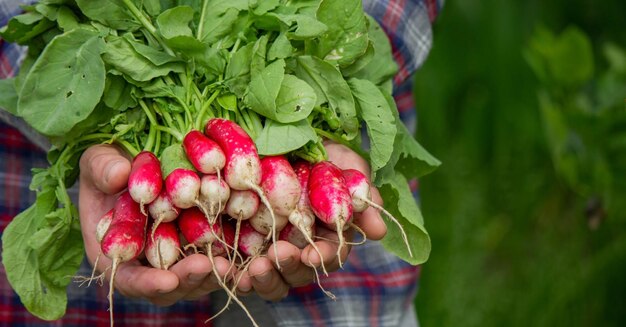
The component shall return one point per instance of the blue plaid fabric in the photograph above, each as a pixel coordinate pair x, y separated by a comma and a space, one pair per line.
374, 289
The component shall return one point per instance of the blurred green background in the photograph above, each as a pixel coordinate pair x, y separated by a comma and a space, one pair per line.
524, 102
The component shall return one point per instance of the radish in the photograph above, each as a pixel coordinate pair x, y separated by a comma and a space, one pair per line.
251, 242
266, 224
303, 217
282, 189
197, 231
243, 166
101, 228
205, 155
214, 193
125, 237
241, 205
163, 248
103, 225
145, 180
294, 236
359, 188
228, 240
183, 187
330, 199
162, 210
280, 184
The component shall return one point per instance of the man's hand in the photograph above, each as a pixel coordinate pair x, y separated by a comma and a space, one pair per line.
104, 174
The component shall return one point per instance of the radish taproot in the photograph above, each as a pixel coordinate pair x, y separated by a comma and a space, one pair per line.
330, 199
359, 188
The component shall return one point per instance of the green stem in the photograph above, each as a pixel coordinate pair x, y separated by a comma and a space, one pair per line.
157, 145
205, 107
176, 134
147, 24
202, 18
148, 112
95, 136
131, 149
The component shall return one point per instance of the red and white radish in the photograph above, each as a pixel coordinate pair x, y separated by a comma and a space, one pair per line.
203, 153
243, 166
251, 242
183, 187
196, 228
294, 236
266, 224
162, 210
330, 199
163, 248
242, 205
282, 189
302, 217
214, 194
145, 180
359, 188
226, 243
280, 184
125, 237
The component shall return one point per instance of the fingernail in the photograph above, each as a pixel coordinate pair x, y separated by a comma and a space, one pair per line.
286, 261
196, 278
244, 288
264, 277
110, 169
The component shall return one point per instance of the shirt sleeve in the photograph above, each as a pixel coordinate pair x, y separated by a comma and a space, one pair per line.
408, 25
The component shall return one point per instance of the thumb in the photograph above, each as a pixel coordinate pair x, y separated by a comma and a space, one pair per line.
105, 168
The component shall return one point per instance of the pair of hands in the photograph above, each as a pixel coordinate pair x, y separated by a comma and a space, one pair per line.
104, 173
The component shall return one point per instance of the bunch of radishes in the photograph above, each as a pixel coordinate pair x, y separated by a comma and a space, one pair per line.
231, 203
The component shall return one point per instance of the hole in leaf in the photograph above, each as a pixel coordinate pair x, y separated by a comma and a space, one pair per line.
69, 94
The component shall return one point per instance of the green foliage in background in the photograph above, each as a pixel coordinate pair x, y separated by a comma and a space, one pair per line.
525, 105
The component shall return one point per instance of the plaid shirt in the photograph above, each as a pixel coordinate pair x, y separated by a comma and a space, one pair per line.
373, 289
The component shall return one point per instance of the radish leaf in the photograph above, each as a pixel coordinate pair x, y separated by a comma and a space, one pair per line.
381, 125
292, 136
65, 83
406, 211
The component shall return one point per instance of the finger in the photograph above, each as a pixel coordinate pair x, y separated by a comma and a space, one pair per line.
266, 280
209, 282
293, 271
105, 168
370, 220
137, 281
